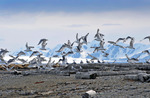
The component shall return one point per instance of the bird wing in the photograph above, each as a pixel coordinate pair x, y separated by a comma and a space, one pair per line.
92, 56
69, 43
40, 41
147, 37
111, 42
27, 45
77, 36
127, 56
120, 39
131, 43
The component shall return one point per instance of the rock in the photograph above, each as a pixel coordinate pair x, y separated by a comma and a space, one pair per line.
89, 94
85, 75
25, 93
131, 77
143, 77
114, 73
46, 93
17, 72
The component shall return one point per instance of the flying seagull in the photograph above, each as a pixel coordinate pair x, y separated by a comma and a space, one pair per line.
77, 39
146, 51
132, 60
66, 45
119, 39
131, 42
20, 54
84, 38
147, 37
115, 44
105, 53
93, 57
78, 48
43, 43
3, 52
34, 53
28, 48
98, 36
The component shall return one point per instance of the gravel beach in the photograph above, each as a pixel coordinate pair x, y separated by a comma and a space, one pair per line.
53, 86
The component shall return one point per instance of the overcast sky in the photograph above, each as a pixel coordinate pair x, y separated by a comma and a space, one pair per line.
24, 21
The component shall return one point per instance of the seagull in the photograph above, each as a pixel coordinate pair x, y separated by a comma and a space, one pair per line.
61, 48
112, 42
74, 62
63, 59
77, 39
103, 61
43, 43
99, 36
68, 45
84, 38
147, 37
28, 48
33, 61
73, 68
78, 48
105, 54
146, 51
22, 60
81, 62
102, 45
80, 68
2, 60
3, 52
70, 52
43, 46
49, 63
92, 62
114, 61
131, 42
55, 56
147, 61
87, 61
115, 44
124, 40
131, 60
120, 46
96, 49
40, 59
98, 61
20, 54
34, 53
93, 57
12, 60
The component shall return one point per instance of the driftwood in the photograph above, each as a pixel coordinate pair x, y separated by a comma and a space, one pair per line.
113, 73
131, 77
142, 77
85, 75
